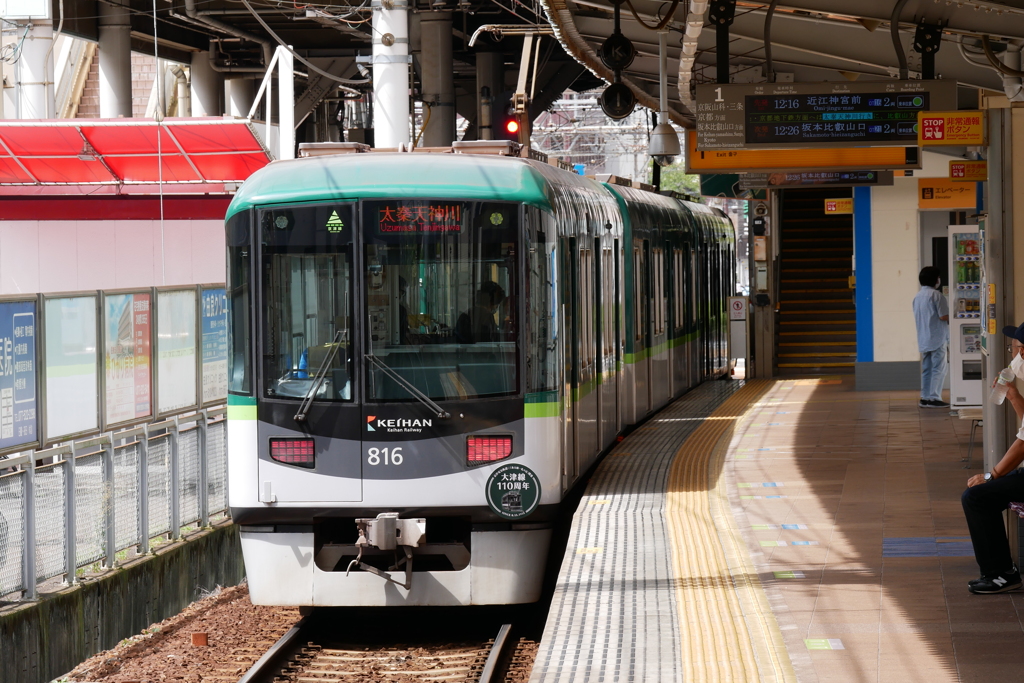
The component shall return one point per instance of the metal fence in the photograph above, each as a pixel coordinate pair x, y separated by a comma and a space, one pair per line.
99, 497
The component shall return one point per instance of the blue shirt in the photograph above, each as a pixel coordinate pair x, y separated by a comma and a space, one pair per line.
929, 306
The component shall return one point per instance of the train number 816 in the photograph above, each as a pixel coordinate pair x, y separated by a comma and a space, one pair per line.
394, 457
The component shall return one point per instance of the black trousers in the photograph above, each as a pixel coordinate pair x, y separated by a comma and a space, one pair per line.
983, 507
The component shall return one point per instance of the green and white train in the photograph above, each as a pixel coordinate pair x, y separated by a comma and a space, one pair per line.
428, 351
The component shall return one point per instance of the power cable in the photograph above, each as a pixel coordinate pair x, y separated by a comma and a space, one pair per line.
769, 66
894, 31
994, 61
310, 65
661, 24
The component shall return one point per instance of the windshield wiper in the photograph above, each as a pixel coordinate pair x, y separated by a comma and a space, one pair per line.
412, 390
318, 378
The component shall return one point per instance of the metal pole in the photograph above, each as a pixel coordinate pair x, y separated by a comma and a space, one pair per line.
70, 523
204, 478
144, 490
29, 554
996, 249
286, 105
115, 60
390, 72
36, 100
438, 78
111, 495
175, 478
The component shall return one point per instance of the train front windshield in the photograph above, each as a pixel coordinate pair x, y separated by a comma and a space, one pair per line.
441, 291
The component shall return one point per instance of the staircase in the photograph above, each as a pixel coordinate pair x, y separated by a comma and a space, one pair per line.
817, 330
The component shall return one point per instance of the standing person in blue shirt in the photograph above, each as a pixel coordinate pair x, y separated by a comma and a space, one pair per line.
931, 313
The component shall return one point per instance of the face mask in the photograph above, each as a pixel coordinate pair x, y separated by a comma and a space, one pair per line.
1017, 365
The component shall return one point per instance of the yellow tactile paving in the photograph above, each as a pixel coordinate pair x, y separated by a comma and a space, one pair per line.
727, 628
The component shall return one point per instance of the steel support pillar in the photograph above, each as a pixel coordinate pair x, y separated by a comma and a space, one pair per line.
241, 93
35, 73
391, 73
999, 273
207, 87
490, 74
438, 78
115, 55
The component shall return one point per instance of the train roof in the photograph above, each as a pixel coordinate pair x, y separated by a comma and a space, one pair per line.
397, 175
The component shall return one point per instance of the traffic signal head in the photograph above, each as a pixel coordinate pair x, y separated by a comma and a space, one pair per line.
512, 126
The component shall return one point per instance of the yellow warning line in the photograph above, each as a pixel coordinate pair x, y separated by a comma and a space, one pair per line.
728, 630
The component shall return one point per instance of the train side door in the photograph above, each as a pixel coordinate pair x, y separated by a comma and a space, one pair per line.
570, 357
648, 307
619, 342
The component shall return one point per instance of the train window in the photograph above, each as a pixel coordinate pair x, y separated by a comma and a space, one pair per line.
659, 291
639, 280
542, 356
238, 284
608, 305
307, 300
586, 312
442, 290
679, 290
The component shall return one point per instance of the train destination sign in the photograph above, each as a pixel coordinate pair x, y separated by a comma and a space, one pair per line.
802, 115
418, 217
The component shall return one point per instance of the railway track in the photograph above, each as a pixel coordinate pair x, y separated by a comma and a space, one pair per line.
308, 653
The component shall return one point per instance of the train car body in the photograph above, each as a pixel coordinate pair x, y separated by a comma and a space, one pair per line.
429, 351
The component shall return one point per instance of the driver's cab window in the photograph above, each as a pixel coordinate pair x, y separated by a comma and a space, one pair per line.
306, 282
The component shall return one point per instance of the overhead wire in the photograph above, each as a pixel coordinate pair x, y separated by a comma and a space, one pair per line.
310, 65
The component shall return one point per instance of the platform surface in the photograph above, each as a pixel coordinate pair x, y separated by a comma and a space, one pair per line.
792, 530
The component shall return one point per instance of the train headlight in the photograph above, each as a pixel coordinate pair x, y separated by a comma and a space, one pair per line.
298, 452
481, 449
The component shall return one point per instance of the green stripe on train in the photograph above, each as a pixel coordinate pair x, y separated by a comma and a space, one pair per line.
241, 407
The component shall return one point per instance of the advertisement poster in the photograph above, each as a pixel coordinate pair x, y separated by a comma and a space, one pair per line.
176, 350
17, 374
126, 320
215, 345
72, 381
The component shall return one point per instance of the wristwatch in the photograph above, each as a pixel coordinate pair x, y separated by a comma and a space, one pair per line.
988, 476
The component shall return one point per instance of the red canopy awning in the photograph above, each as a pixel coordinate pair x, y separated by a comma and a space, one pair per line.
128, 151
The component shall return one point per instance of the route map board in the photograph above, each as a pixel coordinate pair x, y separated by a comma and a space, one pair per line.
808, 115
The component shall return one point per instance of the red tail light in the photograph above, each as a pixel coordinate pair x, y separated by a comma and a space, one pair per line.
481, 449
298, 452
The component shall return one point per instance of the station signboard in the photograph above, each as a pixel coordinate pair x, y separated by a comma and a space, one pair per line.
837, 207
976, 171
794, 160
951, 128
749, 181
940, 193
811, 115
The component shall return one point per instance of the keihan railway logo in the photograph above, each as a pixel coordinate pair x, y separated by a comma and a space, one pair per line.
408, 426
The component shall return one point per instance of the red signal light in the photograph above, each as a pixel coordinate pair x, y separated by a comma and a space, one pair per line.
512, 126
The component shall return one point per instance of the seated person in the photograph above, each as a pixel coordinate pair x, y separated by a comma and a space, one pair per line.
477, 324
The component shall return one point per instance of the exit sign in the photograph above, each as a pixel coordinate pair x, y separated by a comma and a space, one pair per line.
968, 170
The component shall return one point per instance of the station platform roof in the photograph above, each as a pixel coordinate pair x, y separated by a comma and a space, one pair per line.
177, 152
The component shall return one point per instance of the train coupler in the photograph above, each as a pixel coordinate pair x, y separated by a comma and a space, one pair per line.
388, 532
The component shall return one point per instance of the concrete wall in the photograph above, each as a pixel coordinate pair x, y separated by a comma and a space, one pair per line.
60, 256
48, 638
896, 247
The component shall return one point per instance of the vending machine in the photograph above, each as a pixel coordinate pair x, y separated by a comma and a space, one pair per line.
965, 302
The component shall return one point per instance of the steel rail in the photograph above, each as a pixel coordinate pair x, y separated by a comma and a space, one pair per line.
271, 659
498, 649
